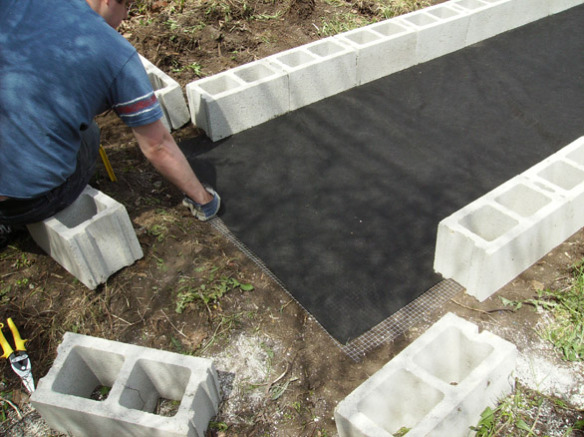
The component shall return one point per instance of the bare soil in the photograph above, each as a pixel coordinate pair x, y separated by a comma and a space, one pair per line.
281, 374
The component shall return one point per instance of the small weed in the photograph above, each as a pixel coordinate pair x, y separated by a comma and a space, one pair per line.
509, 415
210, 291
520, 414
402, 431
566, 307
218, 426
22, 262
196, 68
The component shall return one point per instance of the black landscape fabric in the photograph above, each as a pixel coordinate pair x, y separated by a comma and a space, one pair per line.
342, 199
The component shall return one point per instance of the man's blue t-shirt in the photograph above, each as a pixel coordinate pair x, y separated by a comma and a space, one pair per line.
61, 65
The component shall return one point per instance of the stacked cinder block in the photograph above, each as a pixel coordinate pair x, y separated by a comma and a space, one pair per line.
92, 238
244, 97
437, 386
135, 380
382, 49
487, 18
238, 99
489, 242
169, 94
440, 30
317, 70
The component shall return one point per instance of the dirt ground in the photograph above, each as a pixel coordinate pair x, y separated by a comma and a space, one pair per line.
280, 373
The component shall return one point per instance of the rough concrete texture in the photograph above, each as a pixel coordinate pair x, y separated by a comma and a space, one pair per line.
317, 70
489, 242
382, 49
437, 386
92, 238
226, 104
139, 378
169, 94
238, 99
440, 30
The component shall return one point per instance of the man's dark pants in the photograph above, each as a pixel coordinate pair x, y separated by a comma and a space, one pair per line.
24, 211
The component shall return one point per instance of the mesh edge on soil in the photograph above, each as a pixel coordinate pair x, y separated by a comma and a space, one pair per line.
385, 331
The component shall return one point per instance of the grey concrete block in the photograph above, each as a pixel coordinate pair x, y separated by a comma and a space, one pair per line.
382, 49
441, 29
237, 99
487, 18
139, 378
437, 386
317, 70
492, 240
169, 94
92, 238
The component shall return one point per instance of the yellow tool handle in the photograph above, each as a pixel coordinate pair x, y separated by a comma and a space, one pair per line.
107, 164
19, 342
5, 345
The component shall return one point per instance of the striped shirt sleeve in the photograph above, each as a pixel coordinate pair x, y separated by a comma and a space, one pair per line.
133, 97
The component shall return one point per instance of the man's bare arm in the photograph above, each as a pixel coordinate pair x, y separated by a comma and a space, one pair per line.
161, 150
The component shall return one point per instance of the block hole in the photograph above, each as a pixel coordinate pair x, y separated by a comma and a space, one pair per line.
155, 387
362, 37
421, 20
488, 223
470, 4
86, 370
523, 200
219, 85
254, 73
563, 175
401, 400
443, 13
388, 28
325, 49
295, 59
83, 209
452, 356
156, 82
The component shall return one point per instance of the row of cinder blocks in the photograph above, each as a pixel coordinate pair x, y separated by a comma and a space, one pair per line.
92, 238
249, 95
135, 380
437, 386
489, 242
169, 95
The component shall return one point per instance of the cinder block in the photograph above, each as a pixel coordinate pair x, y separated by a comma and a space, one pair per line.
382, 49
169, 94
528, 11
487, 18
317, 70
92, 238
437, 386
441, 29
237, 99
489, 242
137, 378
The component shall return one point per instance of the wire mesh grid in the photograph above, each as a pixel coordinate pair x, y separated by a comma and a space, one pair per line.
388, 329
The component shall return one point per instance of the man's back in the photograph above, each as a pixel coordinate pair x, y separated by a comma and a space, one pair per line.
60, 65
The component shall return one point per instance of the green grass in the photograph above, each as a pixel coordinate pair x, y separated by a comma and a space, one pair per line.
521, 414
565, 308
213, 288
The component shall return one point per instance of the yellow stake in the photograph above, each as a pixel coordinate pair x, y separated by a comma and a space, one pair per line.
106, 163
